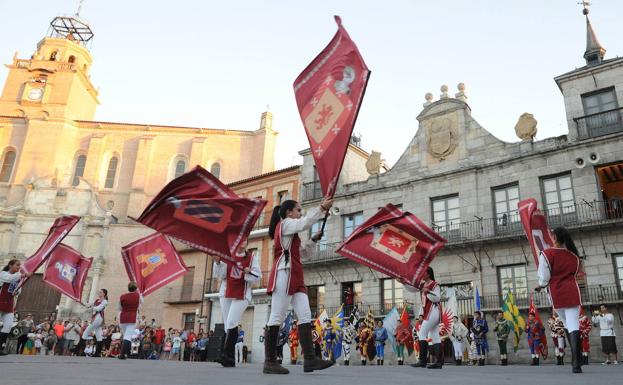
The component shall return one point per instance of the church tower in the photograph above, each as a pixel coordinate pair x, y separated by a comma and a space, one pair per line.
54, 83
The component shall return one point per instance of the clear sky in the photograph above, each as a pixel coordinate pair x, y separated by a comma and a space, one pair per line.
218, 64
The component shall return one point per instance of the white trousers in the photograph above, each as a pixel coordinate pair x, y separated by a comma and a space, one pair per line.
570, 317
458, 349
430, 327
128, 331
238, 354
346, 351
7, 322
232, 310
94, 327
281, 300
559, 343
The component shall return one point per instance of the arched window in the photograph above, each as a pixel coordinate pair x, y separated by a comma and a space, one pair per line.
53, 55
216, 170
180, 168
72, 59
8, 161
111, 173
81, 162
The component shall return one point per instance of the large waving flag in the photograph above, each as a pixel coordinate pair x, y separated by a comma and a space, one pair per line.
449, 312
66, 271
391, 322
199, 210
511, 313
535, 226
284, 331
152, 262
338, 324
328, 95
319, 323
59, 230
395, 243
533, 309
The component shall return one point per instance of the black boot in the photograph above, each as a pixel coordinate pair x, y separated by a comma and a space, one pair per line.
576, 352
228, 358
423, 355
438, 357
400, 363
310, 362
346, 362
382, 362
533, 363
378, 362
3, 338
292, 362
584, 359
271, 337
458, 362
98, 348
505, 362
481, 362
536, 362
363, 362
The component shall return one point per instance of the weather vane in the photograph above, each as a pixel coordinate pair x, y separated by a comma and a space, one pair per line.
585, 4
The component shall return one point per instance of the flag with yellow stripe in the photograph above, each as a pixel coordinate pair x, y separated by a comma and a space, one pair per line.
511, 314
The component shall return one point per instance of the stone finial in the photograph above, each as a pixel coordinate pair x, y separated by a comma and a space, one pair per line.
461, 94
444, 92
429, 99
526, 126
374, 163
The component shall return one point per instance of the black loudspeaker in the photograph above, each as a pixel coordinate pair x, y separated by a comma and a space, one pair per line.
219, 330
215, 347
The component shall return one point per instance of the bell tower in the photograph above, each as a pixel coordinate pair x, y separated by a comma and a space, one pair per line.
54, 83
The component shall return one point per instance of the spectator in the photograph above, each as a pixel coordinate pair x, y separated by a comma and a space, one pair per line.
142, 323
166, 348
202, 345
70, 336
159, 336
177, 343
89, 349
25, 326
59, 330
153, 323
605, 320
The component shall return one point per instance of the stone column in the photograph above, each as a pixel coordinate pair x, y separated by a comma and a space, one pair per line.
17, 230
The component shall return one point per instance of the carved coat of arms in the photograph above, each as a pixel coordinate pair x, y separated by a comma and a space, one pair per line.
441, 138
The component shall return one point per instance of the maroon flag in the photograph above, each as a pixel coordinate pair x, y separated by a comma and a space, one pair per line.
395, 243
328, 95
59, 230
535, 226
152, 262
199, 210
66, 271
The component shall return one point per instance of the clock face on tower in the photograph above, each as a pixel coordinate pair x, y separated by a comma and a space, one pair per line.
35, 94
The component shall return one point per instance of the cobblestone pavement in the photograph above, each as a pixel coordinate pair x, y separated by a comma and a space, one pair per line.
31, 370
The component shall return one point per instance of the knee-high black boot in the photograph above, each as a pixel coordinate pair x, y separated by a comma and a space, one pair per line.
3, 338
126, 346
98, 348
271, 366
423, 360
228, 358
438, 355
310, 362
576, 352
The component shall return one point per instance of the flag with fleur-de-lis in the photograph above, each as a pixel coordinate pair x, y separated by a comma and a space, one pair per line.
328, 95
395, 243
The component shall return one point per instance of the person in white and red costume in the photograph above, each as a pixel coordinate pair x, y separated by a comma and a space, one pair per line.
235, 296
95, 327
129, 305
430, 293
10, 277
558, 269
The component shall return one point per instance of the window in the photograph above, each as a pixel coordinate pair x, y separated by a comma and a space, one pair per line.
392, 292
53, 55
180, 168
216, 170
505, 203
446, 216
72, 59
111, 173
356, 289
351, 222
8, 161
322, 243
600, 105
188, 280
282, 196
558, 194
618, 268
188, 320
316, 297
81, 162
513, 277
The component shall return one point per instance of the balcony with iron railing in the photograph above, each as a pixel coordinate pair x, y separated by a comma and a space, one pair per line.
311, 191
600, 123
263, 221
579, 215
183, 294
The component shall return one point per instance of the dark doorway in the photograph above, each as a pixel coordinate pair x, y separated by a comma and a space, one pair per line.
37, 299
611, 186
351, 296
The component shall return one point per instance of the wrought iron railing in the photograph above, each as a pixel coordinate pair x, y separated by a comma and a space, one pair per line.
311, 191
577, 215
601, 123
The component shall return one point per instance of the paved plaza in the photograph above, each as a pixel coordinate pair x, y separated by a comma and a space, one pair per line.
17, 370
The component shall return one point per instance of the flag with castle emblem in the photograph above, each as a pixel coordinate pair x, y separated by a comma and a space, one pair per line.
535, 226
66, 271
152, 262
59, 230
199, 210
395, 243
328, 95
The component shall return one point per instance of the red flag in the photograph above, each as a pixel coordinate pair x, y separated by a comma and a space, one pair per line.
328, 95
404, 332
59, 230
202, 212
394, 243
152, 262
535, 226
534, 310
66, 271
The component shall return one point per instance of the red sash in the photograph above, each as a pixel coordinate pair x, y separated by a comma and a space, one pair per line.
563, 286
129, 307
296, 281
101, 313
